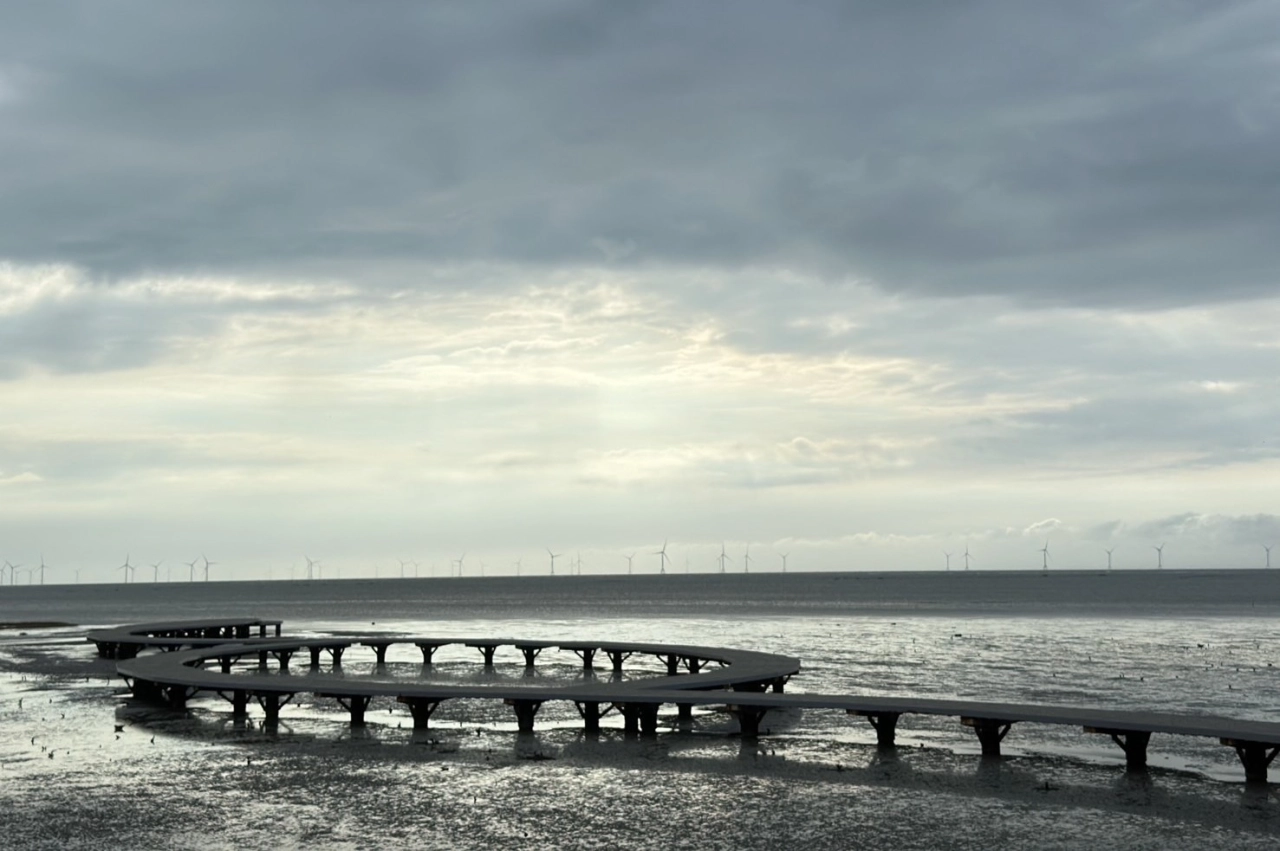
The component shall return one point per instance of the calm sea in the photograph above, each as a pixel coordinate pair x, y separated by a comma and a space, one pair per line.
1199, 642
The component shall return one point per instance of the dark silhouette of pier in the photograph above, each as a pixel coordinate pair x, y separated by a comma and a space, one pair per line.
748, 683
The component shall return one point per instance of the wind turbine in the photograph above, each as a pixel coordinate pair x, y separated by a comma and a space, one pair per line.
311, 565
723, 557
3, 568
191, 569
1044, 551
402, 564
460, 561
77, 576
629, 558
1268, 549
207, 565
662, 562
783, 556
947, 556
41, 568
966, 556
127, 568
554, 556
155, 571
746, 560
1159, 557
1109, 552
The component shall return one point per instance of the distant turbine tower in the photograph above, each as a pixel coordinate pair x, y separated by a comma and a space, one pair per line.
518, 567
402, 564
482, 569
947, 556
966, 556
191, 570
1109, 552
77, 576
5, 567
554, 556
41, 568
155, 571
1159, 556
1268, 549
664, 558
783, 556
723, 557
127, 568
1044, 551
629, 558
746, 560
311, 565
461, 560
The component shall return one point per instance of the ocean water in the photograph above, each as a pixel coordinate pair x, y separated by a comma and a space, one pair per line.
1197, 642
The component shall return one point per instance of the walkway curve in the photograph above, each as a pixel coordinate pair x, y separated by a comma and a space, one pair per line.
174, 677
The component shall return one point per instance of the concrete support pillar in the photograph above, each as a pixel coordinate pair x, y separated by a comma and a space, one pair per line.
262, 660
224, 663
487, 651
277, 630
693, 664
673, 664
336, 654
239, 703
649, 718
1132, 742
990, 731
684, 711
380, 651
630, 719
780, 685
284, 656
271, 702
176, 696
749, 718
421, 708
428, 651
617, 657
315, 656
526, 711
590, 712
530, 655
1256, 757
884, 723
588, 656
355, 704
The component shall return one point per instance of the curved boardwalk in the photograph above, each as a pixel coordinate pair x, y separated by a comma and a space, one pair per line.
750, 683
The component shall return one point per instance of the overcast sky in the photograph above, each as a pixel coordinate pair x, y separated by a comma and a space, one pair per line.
860, 282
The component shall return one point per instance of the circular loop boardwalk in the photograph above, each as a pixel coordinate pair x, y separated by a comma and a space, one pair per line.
750, 684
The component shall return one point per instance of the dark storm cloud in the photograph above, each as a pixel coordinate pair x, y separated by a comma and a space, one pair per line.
1100, 152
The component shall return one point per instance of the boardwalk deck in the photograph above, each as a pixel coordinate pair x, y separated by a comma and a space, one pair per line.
740, 683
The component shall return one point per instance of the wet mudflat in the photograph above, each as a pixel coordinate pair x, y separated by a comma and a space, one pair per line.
194, 779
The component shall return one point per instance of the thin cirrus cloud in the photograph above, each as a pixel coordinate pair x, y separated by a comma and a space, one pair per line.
871, 274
